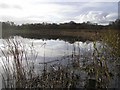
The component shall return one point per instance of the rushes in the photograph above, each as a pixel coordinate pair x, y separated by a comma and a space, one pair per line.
17, 71
22, 72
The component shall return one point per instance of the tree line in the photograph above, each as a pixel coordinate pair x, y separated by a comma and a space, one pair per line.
70, 25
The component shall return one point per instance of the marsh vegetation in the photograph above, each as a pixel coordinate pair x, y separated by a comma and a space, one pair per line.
96, 68
95, 64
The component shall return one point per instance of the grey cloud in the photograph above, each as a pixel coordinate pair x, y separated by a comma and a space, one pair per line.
97, 17
20, 20
17, 7
67, 11
112, 16
4, 6
71, 4
6, 18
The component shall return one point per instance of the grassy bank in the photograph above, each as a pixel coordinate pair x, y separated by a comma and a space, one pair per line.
69, 35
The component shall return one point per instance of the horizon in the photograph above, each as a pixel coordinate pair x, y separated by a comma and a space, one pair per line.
46, 23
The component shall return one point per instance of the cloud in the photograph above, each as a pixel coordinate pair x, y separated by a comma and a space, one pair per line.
17, 7
4, 6
8, 6
112, 16
97, 17
76, 1
57, 11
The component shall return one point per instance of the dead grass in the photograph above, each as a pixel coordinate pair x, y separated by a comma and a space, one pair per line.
23, 74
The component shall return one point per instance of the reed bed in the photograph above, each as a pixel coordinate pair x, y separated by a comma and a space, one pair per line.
20, 72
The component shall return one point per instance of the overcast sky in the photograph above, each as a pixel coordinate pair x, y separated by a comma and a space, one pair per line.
58, 11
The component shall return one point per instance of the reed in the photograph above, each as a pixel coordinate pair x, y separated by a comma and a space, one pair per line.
21, 72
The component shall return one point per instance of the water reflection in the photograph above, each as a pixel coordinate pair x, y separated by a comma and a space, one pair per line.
51, 50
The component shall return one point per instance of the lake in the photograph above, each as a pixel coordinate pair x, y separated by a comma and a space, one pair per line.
52, 49
41, 51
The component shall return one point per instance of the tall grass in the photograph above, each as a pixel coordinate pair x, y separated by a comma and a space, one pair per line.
21, 72
112, 39
106, 61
